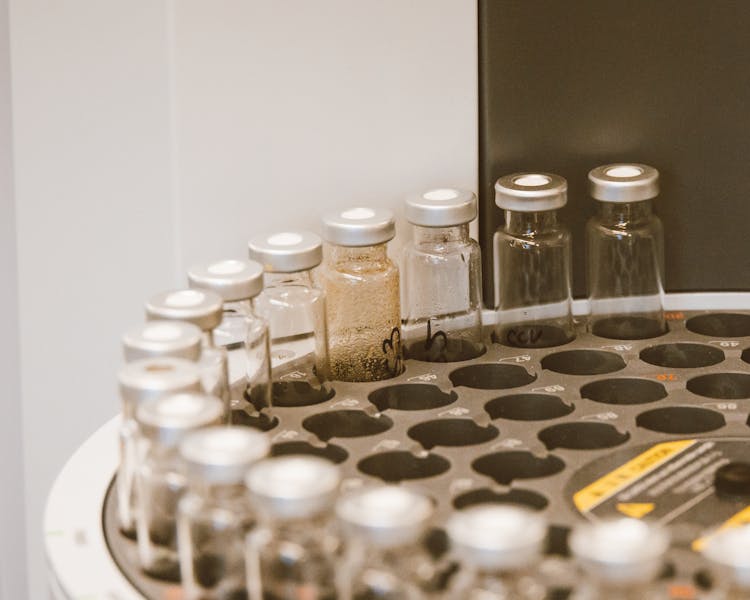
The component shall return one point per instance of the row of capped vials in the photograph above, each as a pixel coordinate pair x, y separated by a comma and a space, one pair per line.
216, 514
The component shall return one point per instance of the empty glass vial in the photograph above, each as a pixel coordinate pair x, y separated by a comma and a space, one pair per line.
441, 278
204, 309
625, 254
498, 548
383, 555
215, 515
362, 295
532, 262
140, 381
160, 478
295, 311
620, 559
157, 339
238, 282
292, 555
728, 555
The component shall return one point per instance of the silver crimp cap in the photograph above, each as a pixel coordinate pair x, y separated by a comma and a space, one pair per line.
531, 192
385, 516
222, 455
233, 280
157, 339
202, 308
149, 378
729, 553
293, 487
623, 182
356, 227
441, 207
169, 418
287, 252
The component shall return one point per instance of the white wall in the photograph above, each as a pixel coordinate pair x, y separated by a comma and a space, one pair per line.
149, 135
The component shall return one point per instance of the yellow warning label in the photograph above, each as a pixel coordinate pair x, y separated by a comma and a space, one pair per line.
605, 487
636, 510
741, 518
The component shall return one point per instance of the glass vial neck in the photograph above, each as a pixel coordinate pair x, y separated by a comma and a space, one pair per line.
302, 278
441, 235
530, 223
622, 214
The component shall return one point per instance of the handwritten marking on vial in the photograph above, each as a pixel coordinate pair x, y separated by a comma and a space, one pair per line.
725, 343
387, 445
424, 378
432, 338
666, 377
293, 375
454, 412
550, 389
516, 359
523, 337
392, 351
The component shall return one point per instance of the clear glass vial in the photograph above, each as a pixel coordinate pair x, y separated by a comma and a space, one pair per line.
238, 282
292, 556
362, 295
140, 381
158, 339
215, 515
441, 278
498, 548
625, 253
620, 559
728, 555
204, 309
160, 478
296, 315
532, 262
383, 555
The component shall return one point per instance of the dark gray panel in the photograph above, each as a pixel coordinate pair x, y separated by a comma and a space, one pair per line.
566, 86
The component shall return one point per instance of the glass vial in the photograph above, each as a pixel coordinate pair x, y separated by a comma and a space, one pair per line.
295, 311
362, 294
441, 278
532, 263
383, 554
160, 479
215, 515
625, 254
204, 309
728, 555
140, 381
158, 339
498, 548
238, 282
292, 556
620, 559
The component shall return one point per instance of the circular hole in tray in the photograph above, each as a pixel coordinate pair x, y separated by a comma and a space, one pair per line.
336, 454
720, 325
491, 376
680, 419
436, 542
624, 391
628, 328
411, 396
504, 467
451, 432
746, 355
525, 498
439, 351
682, 355
528, 407
582, 436
531, 335
399, 465
260, 421
583, 362
722, 386
299, 393
346, 423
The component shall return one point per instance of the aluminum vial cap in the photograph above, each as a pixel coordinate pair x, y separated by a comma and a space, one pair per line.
358, 227
202, 308
490, 536
149, 378
293, 487
222, 455
157, 339
623, 182
620, 551
531, 192
287, 252
730, 551
442, 207
169, 418
233, 280
385, 516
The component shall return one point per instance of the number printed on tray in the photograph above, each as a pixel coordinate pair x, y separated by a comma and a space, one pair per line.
666, 377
